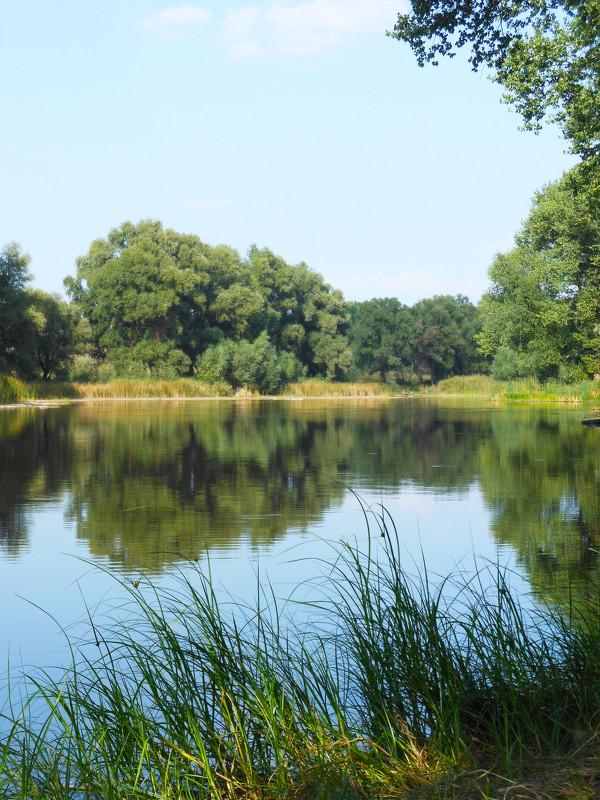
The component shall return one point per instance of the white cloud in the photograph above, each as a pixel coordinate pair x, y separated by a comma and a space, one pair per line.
170, 22
408, 287
209, 205
244, 31
317, 27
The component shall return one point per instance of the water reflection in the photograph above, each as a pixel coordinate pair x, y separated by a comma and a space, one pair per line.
148, 483
541, 481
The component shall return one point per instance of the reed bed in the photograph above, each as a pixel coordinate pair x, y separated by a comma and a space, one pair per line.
383, 686
13, 391
519, 389
323, 388
182, 388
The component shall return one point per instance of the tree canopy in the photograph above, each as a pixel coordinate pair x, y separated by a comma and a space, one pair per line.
14, 319
161, 303
436, 337
545, 54
541, 313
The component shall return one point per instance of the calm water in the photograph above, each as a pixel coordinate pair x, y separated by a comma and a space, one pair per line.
258, 488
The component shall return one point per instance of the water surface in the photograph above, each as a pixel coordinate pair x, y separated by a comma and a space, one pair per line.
258, 487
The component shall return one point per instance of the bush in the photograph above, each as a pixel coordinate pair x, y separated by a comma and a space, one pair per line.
507, 365
254, 365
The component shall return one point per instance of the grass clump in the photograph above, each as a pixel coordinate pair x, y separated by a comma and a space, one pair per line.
13, 391
126, 389
319, 387
518, 389
382, 687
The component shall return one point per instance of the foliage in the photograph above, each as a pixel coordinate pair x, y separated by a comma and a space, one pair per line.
435, 338
316, 387
544, 302
255, 365
135, 288
54, 331
157, 302
382, 336
306, 316
13, 390
15, 324
445, 340
389, 686
545, 54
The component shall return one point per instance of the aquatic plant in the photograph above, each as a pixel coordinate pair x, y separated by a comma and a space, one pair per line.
381, 685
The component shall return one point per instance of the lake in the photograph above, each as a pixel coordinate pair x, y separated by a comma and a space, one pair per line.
255, 490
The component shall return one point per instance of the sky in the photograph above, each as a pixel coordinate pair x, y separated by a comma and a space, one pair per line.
295, 125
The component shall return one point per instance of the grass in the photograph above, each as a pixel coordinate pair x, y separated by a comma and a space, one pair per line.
13, 390
385, 686
184, 387
322, 388
520, 389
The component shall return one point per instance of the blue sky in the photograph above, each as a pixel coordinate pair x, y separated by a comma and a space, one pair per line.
293, 124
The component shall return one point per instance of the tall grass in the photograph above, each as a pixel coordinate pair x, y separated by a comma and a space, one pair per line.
518, 389
13, 391
318, 387
182, 388
383, 687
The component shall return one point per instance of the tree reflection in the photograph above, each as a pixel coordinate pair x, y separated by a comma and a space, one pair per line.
147, 484
539, 473
35, 456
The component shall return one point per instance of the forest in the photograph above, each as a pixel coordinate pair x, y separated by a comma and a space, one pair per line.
148, 302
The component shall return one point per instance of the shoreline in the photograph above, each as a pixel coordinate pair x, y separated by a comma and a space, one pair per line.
59, 402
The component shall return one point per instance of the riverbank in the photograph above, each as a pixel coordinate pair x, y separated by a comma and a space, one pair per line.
519, 389
385, 686
14, 391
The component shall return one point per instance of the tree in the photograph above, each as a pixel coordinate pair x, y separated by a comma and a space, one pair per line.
445, 340
544, 302
255, 365
545, 54
306, 317
145, 291
155, 301
382, 336
15, 330
54, 329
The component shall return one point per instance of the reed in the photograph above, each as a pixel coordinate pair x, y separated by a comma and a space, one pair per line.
318, 387
518, 389
128, 389
13, 391
384, 686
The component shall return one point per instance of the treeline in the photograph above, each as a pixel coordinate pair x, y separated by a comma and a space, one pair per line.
147, 302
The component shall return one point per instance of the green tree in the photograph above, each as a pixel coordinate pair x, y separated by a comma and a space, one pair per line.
545, 54
54, 330
16, 345
382, 336
145, 291
255, 365
305, 316
445, 339
544, 302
